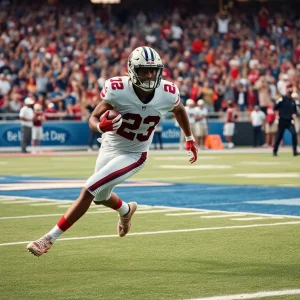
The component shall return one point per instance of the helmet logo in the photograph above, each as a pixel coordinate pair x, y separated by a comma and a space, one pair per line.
148, 54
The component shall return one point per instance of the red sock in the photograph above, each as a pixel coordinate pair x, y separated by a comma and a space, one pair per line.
118, 204
64, 224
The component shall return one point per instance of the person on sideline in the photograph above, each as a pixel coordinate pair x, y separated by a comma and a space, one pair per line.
26, 116
257, 117
286, 106
201, 124
142, 98
295, 96
37, 129
228, 130
271, 125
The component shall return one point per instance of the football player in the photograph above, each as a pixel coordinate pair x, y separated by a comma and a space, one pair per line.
142, 98
37, 129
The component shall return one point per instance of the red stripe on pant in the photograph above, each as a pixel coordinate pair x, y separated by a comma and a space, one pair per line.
118, 173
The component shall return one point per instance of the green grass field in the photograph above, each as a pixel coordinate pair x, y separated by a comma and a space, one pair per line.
171, 253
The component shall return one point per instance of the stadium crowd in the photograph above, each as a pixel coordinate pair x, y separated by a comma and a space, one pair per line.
61, 58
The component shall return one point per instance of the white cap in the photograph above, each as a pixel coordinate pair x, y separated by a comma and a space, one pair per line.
50, 105
37, 107
200, 102
28, 101
190, 102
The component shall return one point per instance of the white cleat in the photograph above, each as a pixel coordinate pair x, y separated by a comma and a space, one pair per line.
124, 223
40, 246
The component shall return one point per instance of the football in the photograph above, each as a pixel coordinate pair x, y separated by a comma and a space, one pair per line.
112, 113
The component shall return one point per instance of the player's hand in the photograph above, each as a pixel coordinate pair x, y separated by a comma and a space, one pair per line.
109, 125
191, 148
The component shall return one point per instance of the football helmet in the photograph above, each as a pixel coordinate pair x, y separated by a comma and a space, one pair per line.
144, 57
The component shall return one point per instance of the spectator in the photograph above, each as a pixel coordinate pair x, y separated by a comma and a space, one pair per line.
264, 97
37, 129
191, 111
271, 125
26, 116
228, 130
257, 120
201, 127
241, 50
50, 112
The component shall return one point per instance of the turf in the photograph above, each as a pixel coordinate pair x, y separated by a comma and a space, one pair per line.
220, 259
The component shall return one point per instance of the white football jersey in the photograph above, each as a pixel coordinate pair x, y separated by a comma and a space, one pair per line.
139, 119
192, 113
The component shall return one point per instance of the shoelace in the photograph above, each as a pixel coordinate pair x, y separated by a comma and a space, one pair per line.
124, 221
42, 242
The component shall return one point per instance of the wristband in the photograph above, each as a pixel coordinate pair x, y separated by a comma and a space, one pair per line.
189, 138
98, 128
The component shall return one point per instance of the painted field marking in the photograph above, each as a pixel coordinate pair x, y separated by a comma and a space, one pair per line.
188, 213
176, 158
223, 216
268, 175
100, 211
201, 167
163, 232
262, 163
290, 202
255, 218
4, 198
184, 177
252, 296
47, 204
20, 202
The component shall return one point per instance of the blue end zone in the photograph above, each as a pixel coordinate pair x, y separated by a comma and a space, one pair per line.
237, 198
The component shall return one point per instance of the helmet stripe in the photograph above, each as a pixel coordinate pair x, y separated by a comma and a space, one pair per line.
146, 53
152, 54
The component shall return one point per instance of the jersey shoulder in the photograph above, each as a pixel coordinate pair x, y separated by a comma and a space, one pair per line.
114, 88
170, 92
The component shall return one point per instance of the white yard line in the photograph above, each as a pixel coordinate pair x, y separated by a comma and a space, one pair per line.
188, 213
163, 232
177, 158
4, 198
100, 211
255, 218
198, 167
252, 296
223, 216
21, 202
47, 204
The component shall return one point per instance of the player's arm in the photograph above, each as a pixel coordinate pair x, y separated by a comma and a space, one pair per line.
183, 121
104, 125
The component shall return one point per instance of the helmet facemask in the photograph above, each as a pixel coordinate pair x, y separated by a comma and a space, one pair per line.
146, 84
144, 57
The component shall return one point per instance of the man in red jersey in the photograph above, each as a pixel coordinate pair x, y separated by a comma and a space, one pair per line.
37, 129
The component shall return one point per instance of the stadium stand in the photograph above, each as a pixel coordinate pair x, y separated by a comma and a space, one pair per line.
61, 55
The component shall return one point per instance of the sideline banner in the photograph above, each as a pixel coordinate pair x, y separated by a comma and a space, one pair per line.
70, 133
54, 134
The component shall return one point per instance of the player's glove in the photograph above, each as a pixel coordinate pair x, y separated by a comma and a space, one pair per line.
191, 148
109, 125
